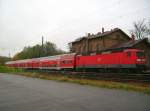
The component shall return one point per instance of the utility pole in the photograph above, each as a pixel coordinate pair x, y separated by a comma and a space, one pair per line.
42, 40
9, 55
42, 51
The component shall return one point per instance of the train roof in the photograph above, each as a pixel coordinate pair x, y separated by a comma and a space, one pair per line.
133, 50
41, 58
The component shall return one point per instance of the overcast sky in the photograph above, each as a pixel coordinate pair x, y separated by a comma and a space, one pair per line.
23, 22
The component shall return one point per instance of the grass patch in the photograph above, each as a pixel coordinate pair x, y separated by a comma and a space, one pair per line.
145, 88
4, 69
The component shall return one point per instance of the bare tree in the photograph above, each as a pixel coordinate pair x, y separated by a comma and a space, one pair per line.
148, 30
141, 29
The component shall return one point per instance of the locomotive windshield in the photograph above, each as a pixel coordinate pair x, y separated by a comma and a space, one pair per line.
140, 54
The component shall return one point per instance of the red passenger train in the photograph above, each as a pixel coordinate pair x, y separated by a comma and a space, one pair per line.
127, 59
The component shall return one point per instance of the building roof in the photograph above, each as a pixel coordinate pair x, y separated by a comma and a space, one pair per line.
129, 44
99, 34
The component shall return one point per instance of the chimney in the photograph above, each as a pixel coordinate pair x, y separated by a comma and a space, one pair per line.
133, 38
102, 29
89, 34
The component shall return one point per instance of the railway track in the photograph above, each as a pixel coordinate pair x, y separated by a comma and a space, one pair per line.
124, 77
121, 77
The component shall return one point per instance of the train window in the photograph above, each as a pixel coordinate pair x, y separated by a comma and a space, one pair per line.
70, 62
129, 54
67, 62
63, 62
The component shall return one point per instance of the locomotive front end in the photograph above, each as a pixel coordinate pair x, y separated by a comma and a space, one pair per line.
140, 60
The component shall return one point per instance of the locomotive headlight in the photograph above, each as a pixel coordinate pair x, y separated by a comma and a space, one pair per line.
138, 60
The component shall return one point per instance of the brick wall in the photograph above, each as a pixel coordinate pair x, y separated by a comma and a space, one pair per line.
99, 43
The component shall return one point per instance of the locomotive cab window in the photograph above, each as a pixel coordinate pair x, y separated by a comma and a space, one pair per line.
140, 54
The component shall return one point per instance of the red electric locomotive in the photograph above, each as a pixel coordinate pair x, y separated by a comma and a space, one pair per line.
128, 59
132, 59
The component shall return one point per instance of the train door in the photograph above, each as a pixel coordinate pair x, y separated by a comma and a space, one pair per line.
58, 64
130, 59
